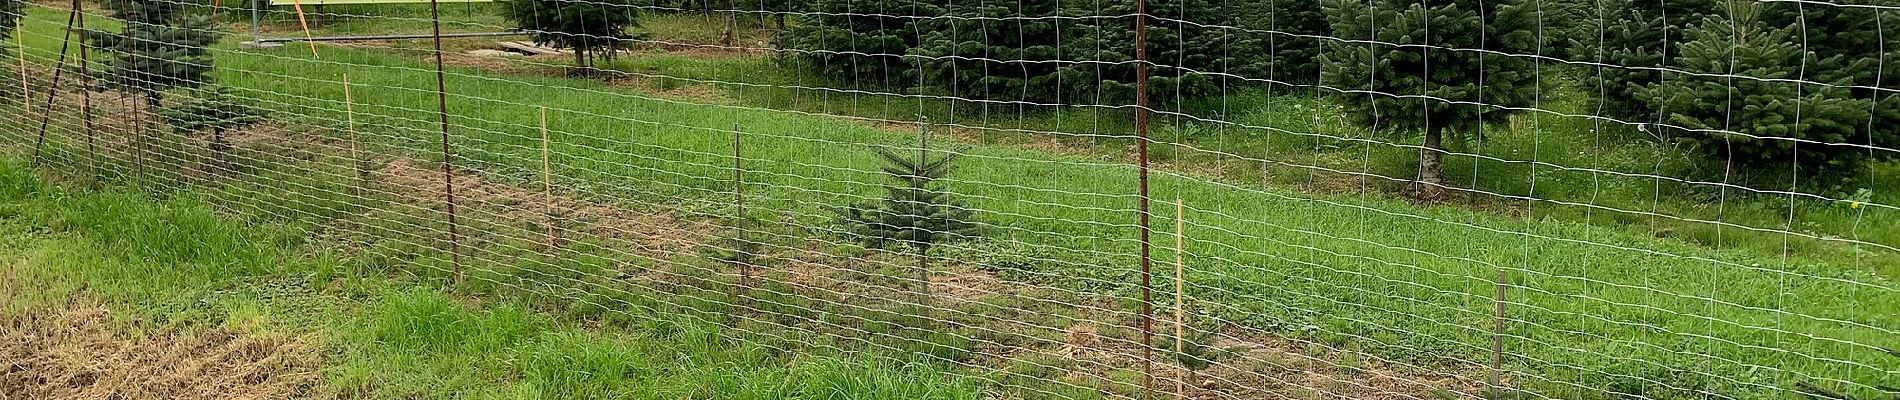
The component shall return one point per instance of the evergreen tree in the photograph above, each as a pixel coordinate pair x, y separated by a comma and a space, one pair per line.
10, 13
163, 45
996, 50
1760, 100
1181, 55
594, 29
1285, 32
1635, 39
862, 42
215, 110
915, 212
1407, 80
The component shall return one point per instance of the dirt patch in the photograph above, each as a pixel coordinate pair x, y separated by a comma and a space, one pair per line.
658, 234
73, 354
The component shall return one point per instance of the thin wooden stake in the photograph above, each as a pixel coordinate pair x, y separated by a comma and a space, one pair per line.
547, 182
1497, 337
1180, 322
744, 247
356, 157
26, 92
298, 5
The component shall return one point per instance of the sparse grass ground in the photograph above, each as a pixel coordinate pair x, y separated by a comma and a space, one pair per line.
1602, 303
116, 263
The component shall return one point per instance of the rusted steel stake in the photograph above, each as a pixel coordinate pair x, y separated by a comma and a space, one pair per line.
442, 111
1141, 158
85, 94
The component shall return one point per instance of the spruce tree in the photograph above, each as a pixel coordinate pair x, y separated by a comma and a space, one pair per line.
997, 50
163, 45
594, 29
861, 42
1635, 39
1284, 32
216, 110
1181, 55
915, 212
1764, 98
10, 13
1406, 79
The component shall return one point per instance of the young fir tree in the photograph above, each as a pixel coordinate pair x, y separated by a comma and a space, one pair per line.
163, 44
594, 29
915, 211
1406, 79
1762, 102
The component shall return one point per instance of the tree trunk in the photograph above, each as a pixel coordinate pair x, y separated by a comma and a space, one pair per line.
580, 62
923, 274
732, 24
1431, 166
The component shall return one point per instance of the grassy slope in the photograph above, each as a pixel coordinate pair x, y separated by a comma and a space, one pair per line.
390, 337
1600, 308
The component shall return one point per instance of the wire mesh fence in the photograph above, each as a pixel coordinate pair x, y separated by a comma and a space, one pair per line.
1062, 199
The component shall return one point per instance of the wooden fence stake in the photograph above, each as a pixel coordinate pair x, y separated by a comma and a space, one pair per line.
547, 183
1497, 337
1180, 322
744, 247
26, 92
356, 157
302, 23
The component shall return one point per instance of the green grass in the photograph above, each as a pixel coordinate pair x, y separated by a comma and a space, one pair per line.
1600, 306
387, 337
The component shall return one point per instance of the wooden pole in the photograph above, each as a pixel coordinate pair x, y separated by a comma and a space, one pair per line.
26, 92
547, 182
1497, 337
1180, 322
356, 157
298, 5
744, 247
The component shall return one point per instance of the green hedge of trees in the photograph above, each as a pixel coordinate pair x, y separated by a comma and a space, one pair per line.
1757, 85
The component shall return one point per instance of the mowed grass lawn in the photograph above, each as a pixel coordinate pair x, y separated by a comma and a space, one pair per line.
1591, 309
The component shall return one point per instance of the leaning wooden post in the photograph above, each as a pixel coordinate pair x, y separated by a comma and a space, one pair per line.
356, 157
442, 112
1180, 322
59, 67
26, 92
547, 183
